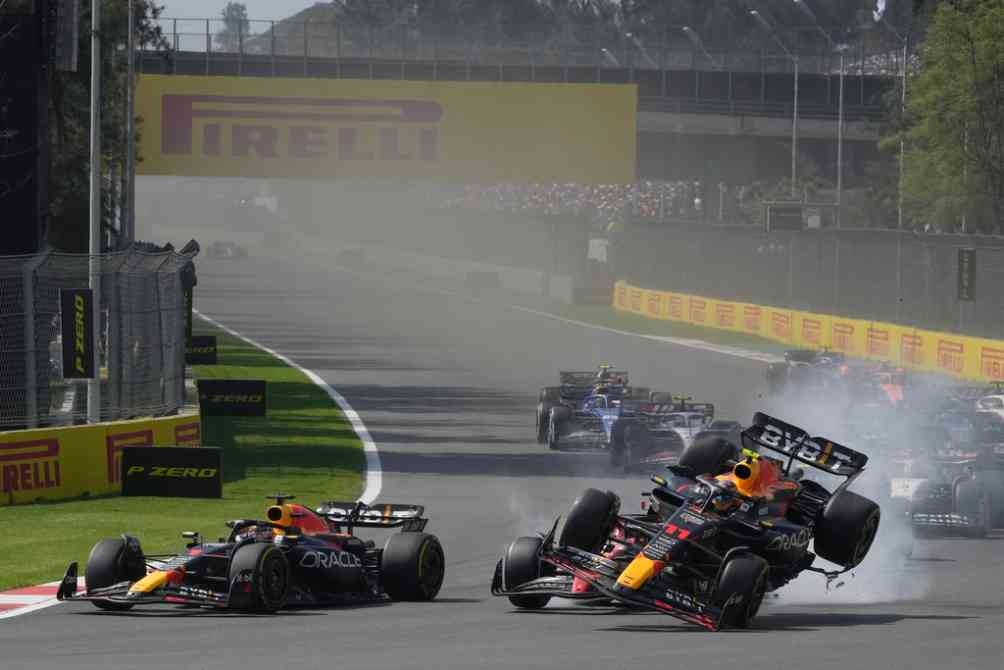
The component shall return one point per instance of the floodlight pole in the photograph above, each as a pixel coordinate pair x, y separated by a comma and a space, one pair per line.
94, 251
130, 212
794, 114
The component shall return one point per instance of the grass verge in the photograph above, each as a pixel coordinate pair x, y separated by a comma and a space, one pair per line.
304, 446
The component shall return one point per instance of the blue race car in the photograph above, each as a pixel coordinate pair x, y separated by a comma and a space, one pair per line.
575, 388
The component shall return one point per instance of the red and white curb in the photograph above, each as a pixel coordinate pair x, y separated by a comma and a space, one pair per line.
30, 599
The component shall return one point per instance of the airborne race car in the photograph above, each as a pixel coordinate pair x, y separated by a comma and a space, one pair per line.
707, 550
297, 557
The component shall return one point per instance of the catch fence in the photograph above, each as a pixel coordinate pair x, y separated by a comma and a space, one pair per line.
140, 350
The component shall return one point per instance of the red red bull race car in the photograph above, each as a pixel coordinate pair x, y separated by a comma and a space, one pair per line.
294, 557
721, 532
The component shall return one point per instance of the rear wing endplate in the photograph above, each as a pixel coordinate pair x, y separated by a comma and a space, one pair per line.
819, 452
378, 515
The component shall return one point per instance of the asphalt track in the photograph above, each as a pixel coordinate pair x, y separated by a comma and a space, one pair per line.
447, 387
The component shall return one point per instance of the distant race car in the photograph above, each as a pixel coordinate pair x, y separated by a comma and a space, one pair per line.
947, 485
297, 557
657, 433
576, 387
722, 531
226, 250
805, 370
725, 428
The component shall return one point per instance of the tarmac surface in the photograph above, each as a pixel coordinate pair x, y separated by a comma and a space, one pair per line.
447, 386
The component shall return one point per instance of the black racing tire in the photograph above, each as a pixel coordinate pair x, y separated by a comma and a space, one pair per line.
633, 442
660, 398
590, 520
557, 416
847, 528
266, 588
520, 564
549, 395
639, 393
543, 416
973, 500
741, 586
709, 455
110, 562
413, 566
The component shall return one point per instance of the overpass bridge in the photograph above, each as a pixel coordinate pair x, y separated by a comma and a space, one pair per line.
712, 116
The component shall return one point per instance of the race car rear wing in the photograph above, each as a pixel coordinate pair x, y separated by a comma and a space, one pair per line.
796, 444
658, 409
378, 515
588, 378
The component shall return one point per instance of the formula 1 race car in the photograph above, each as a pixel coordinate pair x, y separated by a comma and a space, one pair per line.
806, 369
651, 433
223, 250
297, 557
948, 488
575, 387
722, 531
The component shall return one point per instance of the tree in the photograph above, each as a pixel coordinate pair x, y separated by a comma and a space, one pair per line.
235, 29
955, 120
69, 109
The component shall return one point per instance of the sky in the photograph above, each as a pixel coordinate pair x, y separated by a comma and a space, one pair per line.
210, 9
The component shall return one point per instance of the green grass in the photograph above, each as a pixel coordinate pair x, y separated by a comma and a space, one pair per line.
304, 446
604, 315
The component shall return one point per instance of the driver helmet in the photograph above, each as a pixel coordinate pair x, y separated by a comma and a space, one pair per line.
724, 501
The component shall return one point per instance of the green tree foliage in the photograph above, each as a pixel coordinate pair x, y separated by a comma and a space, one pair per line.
955, 120
235, 29
70, 122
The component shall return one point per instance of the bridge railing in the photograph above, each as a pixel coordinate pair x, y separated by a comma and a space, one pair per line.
307, 39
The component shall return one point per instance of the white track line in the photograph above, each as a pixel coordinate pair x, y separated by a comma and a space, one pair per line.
724, 349
374, 471
32, 603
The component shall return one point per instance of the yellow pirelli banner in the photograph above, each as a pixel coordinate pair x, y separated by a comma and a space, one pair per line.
327, 128
60, 463
971, 358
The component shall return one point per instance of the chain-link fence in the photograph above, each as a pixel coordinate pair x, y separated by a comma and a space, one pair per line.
141, 348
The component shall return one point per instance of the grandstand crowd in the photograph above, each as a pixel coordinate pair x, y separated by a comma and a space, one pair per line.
612, 204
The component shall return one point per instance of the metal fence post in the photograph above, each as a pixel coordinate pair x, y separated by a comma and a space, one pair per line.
209, 46
31, 355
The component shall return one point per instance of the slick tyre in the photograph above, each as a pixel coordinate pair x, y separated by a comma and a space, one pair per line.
590, 520
660, 398
972, 500
633, 443
111, 562
739, 592
846, 529
259, 578
413, 566
521, 564
543, 416
556, 418
708, 454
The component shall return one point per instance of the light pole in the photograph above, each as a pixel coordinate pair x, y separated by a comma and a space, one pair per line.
794, 114
94, 246
905, 41
699, 43
841, 49
641, 47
